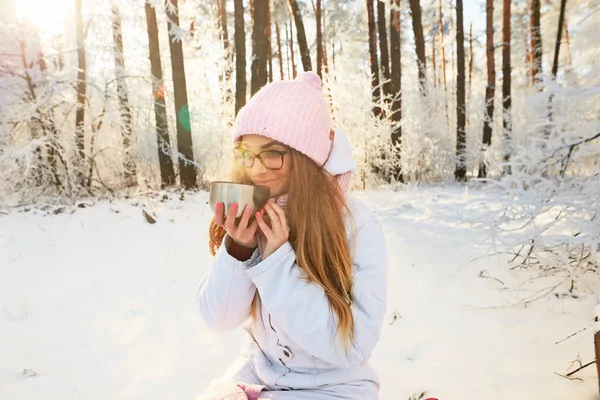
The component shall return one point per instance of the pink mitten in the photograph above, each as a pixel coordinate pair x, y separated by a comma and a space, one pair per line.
252, 391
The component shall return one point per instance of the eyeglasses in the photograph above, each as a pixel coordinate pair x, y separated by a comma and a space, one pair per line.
271, 159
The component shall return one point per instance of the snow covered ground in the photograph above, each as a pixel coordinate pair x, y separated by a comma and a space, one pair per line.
96, 303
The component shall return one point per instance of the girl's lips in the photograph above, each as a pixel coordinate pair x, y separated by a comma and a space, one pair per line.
264, 183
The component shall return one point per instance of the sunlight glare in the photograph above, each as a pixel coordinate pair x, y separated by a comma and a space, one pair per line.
47, 16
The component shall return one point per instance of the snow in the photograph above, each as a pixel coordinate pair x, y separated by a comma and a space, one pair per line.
96, 303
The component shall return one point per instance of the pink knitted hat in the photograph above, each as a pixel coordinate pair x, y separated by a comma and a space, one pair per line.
292, 112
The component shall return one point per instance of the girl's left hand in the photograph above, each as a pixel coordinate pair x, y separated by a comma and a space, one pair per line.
279, 231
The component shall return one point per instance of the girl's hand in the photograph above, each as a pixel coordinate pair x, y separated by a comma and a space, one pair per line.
279, 231
242, 234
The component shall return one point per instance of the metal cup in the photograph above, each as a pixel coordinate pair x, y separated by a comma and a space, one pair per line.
242, 194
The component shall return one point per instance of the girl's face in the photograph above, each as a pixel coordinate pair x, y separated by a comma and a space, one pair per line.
267, 162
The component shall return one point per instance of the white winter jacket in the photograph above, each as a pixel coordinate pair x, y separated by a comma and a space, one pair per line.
293, 343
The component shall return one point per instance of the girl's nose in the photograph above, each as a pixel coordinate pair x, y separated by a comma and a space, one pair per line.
258, 168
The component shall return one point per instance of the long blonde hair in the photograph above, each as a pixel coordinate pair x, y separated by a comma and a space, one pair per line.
316, 211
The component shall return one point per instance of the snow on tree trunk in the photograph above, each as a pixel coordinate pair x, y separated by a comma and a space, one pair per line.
461, 169
561, 19
225, 35
506, 83
536, 41
187, 169
302, 43
279, 53
125, 109
376, 92
167, 172
489, 89
81, 95
396, 87
383, 47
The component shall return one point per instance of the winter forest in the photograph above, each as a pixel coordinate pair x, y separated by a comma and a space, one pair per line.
475, 126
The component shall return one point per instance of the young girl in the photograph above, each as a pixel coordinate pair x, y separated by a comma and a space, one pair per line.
309, 270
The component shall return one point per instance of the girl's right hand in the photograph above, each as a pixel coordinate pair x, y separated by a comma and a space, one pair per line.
242, 234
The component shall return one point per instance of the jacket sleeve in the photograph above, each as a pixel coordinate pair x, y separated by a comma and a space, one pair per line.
225, 294
302, 310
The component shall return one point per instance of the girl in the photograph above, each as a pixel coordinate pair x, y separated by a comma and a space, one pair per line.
309, 270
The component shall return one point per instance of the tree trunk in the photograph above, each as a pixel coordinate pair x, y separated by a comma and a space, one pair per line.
597, 352
225, 36
461, 169
37, 119
506, 84
280, 55
240, 56
323, 28
304, 50
167, 172
81, 95
490, 88
396, 86
434, 62
568, 43
415, 10
376, 93
287, 51
442, 46
223, 23
49, 125
318, 18
453, 57
294, 72
561, 22
443, 62
470, 59
260, 45
333, 54
187, 169
60, 54
42, 123
383, 48
270, 45
528, 58
536, 41
125, 109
